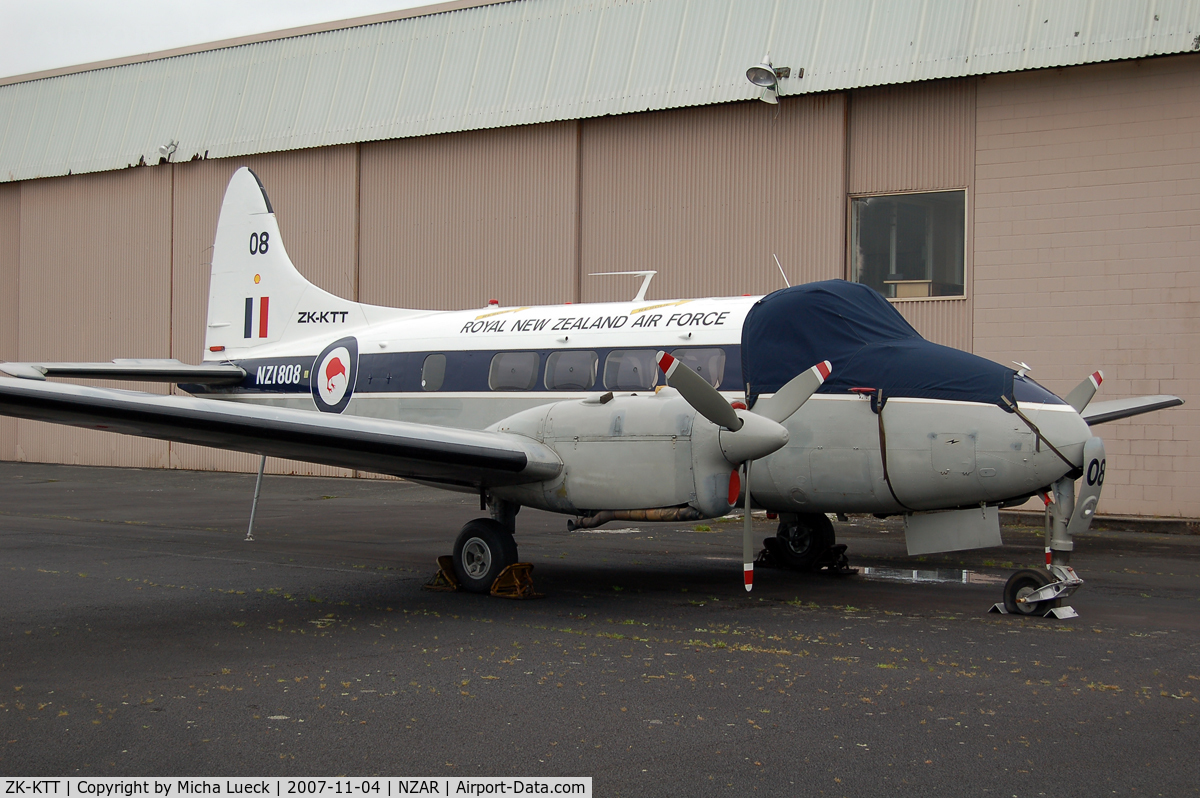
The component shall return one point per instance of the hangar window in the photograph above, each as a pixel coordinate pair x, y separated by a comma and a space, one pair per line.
433, 372
571, 371
630, 370
909, 246
708, 363
514, 371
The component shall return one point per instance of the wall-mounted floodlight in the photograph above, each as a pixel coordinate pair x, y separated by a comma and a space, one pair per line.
766, 75
168, 149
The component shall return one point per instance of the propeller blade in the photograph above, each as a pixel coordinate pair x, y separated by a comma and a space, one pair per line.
748, 537
1082, 393
699, 393
790, 397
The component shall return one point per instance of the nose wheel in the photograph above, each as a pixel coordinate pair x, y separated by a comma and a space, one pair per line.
1032, 591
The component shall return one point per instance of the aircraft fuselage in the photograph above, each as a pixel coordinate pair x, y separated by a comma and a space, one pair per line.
543, 367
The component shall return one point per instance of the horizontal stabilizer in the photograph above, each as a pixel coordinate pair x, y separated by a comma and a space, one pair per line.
470, 458
1115, 409
167, 370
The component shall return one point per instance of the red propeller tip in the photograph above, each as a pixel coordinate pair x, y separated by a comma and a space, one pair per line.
1097, 378
748, 571
665, 362
823, 370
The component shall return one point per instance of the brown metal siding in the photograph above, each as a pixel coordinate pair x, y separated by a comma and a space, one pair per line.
1088, 207
919, 137
706, 196
313, 193
10, 261
94, 284
452, 221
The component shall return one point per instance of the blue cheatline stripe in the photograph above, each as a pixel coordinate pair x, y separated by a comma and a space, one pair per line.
249, 317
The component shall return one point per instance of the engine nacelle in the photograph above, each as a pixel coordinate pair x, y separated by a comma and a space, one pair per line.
633, 452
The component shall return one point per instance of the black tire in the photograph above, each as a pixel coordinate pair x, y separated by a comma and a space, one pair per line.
801, 543
484, 548
1021, 584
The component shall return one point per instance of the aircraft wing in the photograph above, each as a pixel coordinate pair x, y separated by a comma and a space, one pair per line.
1114, 409
470, 458
166, 370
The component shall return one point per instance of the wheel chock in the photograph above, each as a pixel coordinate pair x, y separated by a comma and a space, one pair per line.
1061, 613
516, 582
444, 579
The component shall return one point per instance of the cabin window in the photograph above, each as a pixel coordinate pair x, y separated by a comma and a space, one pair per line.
433, 372
514, 371
708, 363
571, 371
909, 246
630, 370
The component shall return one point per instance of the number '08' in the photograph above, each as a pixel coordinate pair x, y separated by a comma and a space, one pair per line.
260, 243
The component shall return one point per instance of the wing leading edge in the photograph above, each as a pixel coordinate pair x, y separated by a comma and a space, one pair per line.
469, 458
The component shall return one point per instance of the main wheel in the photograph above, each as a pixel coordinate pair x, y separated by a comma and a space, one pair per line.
484, 548
803, 541
1020, 585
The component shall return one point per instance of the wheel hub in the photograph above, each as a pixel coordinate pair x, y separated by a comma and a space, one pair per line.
476, 558
1026, 607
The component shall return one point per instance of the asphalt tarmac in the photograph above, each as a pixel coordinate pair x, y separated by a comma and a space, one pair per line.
143, 636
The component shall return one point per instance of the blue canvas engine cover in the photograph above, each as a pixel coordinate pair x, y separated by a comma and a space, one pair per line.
868, 342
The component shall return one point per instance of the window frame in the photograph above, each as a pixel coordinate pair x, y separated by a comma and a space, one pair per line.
967, 243
537, 370
557, 353
657, 378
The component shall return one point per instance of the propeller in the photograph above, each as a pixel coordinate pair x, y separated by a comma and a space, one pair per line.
747, 436
1082, 393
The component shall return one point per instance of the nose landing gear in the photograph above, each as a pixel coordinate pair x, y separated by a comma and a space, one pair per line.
1037, 592
1034, 592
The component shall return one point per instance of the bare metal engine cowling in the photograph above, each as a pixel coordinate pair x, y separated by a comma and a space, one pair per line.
633, 452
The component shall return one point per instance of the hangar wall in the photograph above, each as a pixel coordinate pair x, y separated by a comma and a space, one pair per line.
706, 195
452, 221
1087, 225
94, 284
918, 137
10, 307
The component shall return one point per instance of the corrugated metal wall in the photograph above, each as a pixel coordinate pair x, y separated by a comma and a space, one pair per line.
452, 221
10, 264
314, 194
919, 137
519, 63
706, 196
93, 286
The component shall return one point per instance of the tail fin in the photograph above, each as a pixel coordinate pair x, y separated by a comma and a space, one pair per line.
256, 297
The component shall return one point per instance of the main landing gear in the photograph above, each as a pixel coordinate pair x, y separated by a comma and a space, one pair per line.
805, 542
485, 558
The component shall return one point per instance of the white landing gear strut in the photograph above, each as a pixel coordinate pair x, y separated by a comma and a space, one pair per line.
1037, 592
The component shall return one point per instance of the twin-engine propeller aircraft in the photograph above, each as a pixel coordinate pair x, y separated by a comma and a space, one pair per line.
837, 402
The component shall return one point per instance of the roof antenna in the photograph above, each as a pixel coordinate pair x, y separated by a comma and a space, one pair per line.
777, 263
646, 276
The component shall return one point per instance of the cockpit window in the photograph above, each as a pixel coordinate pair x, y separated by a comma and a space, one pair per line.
1026, 389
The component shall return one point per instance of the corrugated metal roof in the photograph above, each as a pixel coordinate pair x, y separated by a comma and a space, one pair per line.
532, 61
